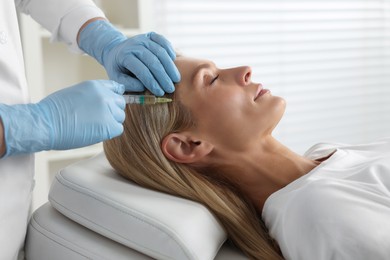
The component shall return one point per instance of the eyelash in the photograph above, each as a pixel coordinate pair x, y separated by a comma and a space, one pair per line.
214, 79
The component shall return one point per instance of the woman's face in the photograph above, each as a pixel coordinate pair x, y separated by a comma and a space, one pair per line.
228, 107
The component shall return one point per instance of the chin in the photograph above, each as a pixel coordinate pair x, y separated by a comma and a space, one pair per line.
275, 111
279, 105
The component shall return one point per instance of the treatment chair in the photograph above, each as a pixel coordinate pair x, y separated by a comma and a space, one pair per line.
93, 213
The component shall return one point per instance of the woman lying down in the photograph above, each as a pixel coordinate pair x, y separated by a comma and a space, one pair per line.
213, 144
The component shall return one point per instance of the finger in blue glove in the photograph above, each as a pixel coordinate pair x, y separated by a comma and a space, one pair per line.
149, 57
85, 114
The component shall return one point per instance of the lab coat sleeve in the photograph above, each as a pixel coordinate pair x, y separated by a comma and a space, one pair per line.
63, 18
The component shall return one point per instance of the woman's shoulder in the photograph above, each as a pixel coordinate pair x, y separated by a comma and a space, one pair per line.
303, 207
328, 216
326, 205
317, 199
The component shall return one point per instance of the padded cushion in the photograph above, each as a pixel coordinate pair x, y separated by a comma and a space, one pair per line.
156, 224
51, 235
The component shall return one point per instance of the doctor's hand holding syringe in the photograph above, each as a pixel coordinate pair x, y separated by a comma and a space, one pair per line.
92, 111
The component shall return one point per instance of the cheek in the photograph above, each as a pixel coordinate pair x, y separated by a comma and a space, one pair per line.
246, 119
224, 119
227, 109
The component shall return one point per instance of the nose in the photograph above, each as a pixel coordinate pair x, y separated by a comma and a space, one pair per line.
244, 75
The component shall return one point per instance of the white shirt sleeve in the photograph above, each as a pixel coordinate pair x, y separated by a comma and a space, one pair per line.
63, 18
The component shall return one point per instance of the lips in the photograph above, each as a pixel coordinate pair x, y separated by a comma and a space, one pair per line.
260, 91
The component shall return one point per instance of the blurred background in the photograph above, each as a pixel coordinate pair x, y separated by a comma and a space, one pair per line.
329, 59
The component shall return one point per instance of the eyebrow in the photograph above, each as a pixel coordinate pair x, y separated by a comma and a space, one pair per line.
197, 70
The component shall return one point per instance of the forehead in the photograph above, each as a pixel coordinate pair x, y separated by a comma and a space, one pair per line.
188, 61
185, 90
187, 66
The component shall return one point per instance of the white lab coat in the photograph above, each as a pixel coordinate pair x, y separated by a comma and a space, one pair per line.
63, 19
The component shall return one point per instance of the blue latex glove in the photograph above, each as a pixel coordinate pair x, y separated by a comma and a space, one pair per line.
145, 60
84, 114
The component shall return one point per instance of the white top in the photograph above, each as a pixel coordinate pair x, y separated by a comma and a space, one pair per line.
63, 19
339, 210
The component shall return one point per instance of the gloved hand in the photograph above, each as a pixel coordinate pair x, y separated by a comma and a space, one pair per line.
84, 114
143, 60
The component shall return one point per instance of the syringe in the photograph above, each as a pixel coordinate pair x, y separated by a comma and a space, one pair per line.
145, 99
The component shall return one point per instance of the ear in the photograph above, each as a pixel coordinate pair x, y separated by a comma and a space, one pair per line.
184, 148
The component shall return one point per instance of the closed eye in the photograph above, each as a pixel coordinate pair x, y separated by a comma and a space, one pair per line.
214, 79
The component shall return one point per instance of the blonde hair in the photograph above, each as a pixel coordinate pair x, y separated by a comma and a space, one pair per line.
137, 156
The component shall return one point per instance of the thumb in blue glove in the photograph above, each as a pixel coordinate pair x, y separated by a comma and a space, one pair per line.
145, 60
85, 114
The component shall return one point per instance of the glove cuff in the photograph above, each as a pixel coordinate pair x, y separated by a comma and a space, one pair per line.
25, 129
98, 37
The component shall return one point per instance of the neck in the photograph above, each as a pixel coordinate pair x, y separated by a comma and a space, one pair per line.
266, 168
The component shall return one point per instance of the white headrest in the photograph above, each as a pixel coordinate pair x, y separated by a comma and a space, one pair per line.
156, 224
